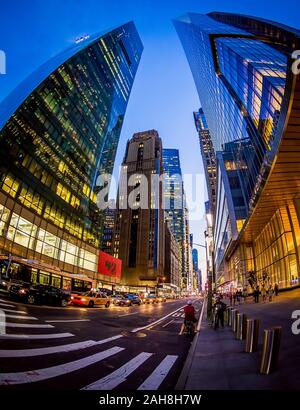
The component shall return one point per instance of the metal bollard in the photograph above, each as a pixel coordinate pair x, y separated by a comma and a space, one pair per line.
228, 310
239, 327
234, 313
270, 350
251, 344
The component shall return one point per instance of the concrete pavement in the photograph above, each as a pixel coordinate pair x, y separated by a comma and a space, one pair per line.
219, 361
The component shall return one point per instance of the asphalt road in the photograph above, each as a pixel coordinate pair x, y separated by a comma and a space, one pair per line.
121, 348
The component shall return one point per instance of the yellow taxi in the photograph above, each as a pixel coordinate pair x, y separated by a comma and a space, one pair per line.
91, 299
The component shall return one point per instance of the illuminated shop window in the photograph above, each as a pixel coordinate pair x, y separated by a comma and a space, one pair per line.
4, 215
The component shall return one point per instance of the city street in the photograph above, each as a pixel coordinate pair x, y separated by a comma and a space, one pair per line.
99, 348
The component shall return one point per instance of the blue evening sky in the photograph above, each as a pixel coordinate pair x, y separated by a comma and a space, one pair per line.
163, 96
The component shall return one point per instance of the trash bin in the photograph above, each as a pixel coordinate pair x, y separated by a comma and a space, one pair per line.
270, 350
251, 343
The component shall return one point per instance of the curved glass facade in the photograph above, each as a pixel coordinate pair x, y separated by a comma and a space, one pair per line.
241, 68
56, 143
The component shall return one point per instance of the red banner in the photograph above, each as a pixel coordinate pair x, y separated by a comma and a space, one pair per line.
109, 266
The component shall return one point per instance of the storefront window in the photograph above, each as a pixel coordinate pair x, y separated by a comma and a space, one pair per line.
44, 278
56, 281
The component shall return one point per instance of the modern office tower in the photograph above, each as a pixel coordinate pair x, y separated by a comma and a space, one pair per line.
173, 195
242, 67
58, 131
173, 259
208, 156
139, 229
187, 252
195, 260
109, 215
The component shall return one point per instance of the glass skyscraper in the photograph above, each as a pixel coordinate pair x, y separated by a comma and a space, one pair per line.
59, 130
208, 156
248, 92
174, 199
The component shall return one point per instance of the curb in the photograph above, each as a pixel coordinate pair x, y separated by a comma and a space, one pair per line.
181, 383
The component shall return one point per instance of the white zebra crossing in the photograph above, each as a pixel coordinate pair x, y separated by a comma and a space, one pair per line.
56, 349
159, 374
7, 379
27, 325
6, 304
36, 337
15, 311
120, 375
20, 317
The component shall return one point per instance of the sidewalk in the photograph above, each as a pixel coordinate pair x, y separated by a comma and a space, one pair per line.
219, 362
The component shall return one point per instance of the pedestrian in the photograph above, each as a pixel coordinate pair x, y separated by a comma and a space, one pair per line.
219, 309
256, 294
237, 296
234, 298
245, 294
270, 293
230, 298
264, 293
276, 289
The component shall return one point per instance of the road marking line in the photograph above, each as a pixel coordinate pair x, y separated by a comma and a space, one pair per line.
159, 374
168, 323
15, 311
47, 336
9, 324
67, 321
119, 376
156, 322
34, 376
128, 314
7, 304
56, 349
21, 317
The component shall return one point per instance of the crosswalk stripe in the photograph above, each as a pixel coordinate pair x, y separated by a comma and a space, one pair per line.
20, 317
56, 349
67, 321
159, 374
117, 377
7, 304
15, 311
9, 324
44, 336
34, 376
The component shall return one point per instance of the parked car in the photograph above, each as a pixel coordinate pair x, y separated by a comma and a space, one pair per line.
91, 299
121, 300
41, 294
4, 283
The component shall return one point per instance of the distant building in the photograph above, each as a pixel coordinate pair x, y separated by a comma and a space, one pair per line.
109, 215
139, 232
173, 192
172, 275
195, 260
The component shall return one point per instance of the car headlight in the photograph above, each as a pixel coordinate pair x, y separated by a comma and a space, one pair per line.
83, 300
